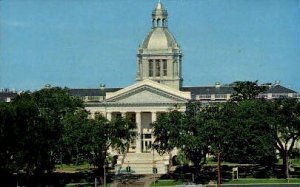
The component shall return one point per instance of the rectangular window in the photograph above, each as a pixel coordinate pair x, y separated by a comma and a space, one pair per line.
203, 96
165, 70
157, 68
279, 95
221, 96
150, 68
147, 136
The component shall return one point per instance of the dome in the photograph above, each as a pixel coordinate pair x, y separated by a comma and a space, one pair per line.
159, 38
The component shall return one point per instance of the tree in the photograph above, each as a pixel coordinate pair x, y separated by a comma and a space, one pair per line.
75, 136
239, 131
247, 135
8, 138
184, 132
286, 127
103, 134
245, 90
32, 130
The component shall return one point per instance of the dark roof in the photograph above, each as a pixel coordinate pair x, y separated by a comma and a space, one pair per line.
4, 95
91, 92
209, 90
195, 90
279, 89
201, 90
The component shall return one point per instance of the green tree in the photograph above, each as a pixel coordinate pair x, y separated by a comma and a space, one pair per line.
75, 137
246, 133
184, 132
286, 126
103, 134
36, 123
245, 90
8, 138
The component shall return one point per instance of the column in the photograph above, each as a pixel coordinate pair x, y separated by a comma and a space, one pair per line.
138, 120
108, 116
153, 117
123, 114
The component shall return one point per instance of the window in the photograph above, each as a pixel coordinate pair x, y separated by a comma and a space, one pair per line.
279, 95
157, 68
165, 70
204, 96
263, 95
150, 68
147, 136
221, 96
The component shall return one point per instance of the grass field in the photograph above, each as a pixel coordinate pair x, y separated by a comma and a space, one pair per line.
71, 168
239, 181
166, 183
263, 181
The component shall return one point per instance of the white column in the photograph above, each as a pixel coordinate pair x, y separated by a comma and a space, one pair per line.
123, 114
153, 117
138, 120
108, 116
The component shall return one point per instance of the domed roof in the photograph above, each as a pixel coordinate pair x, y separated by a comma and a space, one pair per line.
159, 38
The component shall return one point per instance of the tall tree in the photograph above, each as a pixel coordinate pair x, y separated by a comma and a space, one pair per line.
103, 134
8, 138
245, 90
75, 137
247, 136
184, 132
286, 126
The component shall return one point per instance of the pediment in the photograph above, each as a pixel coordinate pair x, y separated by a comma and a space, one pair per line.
147, 92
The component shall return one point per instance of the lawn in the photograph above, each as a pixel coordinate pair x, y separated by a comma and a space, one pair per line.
263, 181
166, 183
71, 168
295, 162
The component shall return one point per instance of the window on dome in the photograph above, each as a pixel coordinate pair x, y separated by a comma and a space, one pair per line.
150, 68
165, 68
157, 68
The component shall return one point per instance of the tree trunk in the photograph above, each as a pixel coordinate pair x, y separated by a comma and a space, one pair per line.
285, 164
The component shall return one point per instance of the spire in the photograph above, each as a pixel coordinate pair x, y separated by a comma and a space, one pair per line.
159, 16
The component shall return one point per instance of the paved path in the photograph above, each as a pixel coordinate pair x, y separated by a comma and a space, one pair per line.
134, 181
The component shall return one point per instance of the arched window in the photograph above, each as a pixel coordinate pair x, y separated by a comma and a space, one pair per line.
158, 23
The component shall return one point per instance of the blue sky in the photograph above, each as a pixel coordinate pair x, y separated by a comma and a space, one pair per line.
82, 43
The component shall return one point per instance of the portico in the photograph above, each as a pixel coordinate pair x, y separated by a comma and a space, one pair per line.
142, 103
143, 120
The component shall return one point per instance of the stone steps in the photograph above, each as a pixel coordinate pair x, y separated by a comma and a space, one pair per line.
143, 163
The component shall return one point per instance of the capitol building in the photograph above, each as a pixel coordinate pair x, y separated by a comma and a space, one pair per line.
157, 89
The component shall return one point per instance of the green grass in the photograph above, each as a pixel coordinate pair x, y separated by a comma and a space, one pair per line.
295, 162
166, 183
71, 168
80, 185
262, 181
83, 185
210, 161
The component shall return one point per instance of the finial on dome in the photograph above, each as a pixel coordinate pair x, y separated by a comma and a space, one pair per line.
159, 16
159, 6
